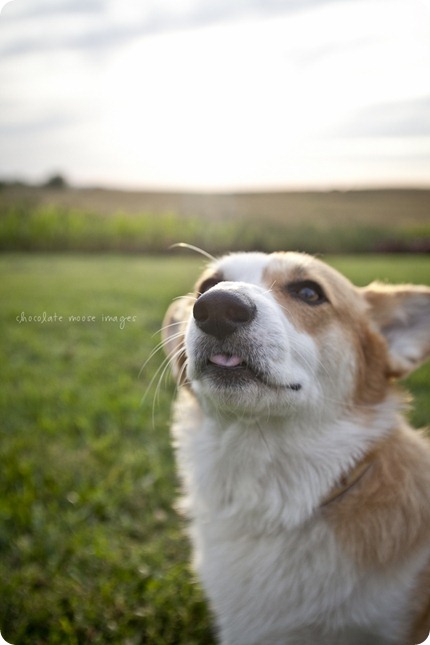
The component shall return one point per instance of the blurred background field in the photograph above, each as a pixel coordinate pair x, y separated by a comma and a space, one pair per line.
91, 548
65, 218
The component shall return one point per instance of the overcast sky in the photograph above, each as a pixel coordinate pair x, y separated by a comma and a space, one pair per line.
224, 94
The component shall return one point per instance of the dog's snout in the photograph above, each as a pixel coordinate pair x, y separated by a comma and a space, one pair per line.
220, 313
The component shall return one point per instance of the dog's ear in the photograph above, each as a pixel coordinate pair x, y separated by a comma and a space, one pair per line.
402, 315
173, 335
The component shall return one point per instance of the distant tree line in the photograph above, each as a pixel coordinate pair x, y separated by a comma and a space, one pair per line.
56, 181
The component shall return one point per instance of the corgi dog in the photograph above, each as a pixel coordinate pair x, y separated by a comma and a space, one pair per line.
307, 493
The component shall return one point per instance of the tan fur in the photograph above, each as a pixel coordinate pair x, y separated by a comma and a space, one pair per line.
402, 308
387, 515
384, 519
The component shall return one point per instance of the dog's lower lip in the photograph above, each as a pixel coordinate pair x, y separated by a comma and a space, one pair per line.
224, 360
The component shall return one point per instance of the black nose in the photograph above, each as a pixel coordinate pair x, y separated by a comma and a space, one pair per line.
219, 313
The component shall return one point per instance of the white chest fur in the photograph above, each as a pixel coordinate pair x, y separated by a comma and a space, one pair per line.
265, 553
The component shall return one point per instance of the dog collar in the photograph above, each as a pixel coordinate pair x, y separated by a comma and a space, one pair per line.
348, 481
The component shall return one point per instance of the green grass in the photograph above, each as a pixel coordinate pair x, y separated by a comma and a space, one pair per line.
91, 550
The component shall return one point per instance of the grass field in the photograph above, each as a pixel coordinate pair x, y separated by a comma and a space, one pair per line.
91, 550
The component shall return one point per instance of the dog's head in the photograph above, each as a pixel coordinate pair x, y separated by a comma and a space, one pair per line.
272, 334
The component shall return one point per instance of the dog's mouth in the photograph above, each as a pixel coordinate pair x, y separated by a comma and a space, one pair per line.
233, 369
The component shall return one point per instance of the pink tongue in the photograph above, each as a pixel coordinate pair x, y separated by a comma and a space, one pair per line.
225, 361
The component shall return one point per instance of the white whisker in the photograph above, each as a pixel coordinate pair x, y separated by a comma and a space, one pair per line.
165, 367
155, 351
183, 371
168, 360
191, 247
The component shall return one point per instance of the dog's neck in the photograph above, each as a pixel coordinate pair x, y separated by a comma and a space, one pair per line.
311, 466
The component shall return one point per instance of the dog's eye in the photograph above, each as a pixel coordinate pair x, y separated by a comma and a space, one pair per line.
308, 291
206, 285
